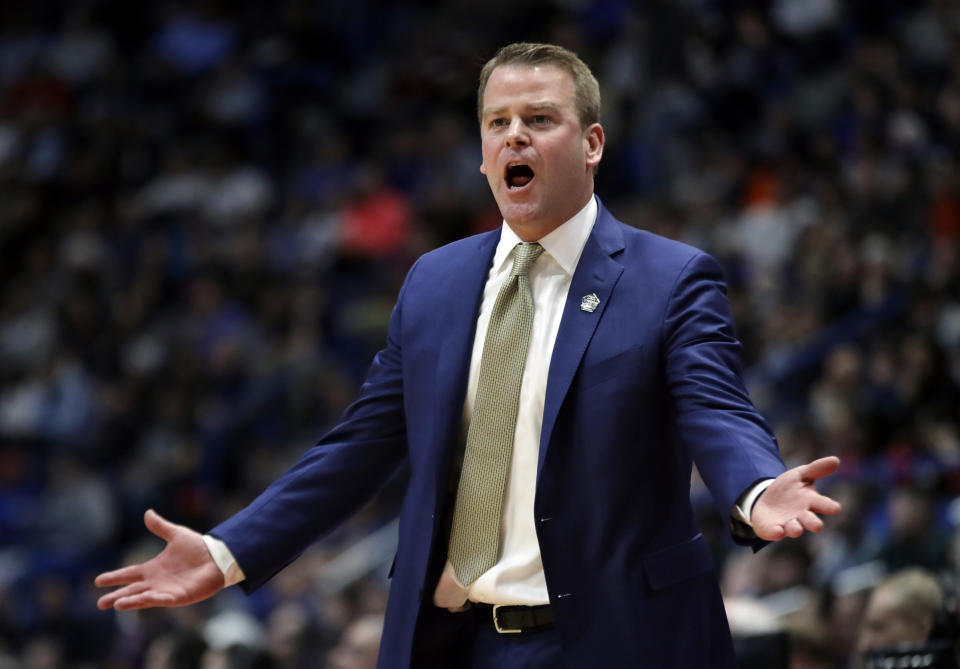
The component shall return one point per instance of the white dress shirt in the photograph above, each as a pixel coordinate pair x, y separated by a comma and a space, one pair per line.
517, 577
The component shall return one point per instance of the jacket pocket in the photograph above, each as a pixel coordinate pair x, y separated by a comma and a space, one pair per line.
677, 563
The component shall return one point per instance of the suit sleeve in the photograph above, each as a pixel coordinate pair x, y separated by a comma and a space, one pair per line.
331, 480
729, 441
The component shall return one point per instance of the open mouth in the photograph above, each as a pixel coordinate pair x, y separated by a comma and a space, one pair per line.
518, 175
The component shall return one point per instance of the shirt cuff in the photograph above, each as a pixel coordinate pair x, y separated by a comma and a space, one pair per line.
744, 506
232, 573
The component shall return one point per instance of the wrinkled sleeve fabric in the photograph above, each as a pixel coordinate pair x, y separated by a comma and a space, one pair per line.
730, 442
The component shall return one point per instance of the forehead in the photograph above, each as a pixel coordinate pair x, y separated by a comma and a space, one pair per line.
528, 85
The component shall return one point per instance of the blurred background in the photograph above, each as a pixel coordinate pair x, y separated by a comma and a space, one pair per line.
207, 208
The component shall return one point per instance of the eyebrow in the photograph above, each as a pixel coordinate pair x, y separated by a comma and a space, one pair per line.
536, 106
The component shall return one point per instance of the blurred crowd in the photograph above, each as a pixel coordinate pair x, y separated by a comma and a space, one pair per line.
206, 210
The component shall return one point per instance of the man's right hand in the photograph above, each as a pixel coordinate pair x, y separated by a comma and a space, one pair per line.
183, 573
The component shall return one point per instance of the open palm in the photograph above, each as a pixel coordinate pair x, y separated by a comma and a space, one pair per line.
182, 573
790, 506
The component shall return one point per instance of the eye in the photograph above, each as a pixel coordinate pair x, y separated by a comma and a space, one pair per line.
498, 122
540, 119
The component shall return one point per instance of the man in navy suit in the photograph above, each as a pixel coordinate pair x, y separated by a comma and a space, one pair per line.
628, 374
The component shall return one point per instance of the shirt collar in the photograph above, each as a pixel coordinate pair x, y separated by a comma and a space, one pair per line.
565, 244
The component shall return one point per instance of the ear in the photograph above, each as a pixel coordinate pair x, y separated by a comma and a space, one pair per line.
593, 144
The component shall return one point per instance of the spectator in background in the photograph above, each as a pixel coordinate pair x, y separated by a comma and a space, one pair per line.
915, 539
901, 612
358, 647
182, 650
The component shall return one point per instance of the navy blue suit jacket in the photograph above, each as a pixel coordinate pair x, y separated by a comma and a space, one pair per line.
638, 390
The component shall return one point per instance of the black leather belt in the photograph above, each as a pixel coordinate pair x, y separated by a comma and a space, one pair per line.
514, 619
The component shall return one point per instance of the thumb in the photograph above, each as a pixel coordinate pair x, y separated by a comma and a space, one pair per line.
820, 468
159, 525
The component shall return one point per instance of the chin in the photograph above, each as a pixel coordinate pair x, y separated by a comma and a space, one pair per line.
529, 221
519, 212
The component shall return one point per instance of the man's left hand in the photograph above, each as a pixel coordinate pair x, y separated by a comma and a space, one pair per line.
789, 506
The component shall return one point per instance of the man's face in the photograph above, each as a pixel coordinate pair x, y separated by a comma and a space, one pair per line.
537, 159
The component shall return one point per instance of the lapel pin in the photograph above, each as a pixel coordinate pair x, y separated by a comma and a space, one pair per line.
589, 303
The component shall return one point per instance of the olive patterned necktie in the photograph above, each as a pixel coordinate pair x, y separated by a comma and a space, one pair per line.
475, 533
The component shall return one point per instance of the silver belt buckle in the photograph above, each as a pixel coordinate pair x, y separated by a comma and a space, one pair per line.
496, 622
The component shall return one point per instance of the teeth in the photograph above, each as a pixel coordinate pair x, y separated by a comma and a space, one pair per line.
516, 163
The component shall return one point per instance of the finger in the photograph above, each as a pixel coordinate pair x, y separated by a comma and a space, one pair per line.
774, 533
159, 525
793, 528
824, 505
106, 602
145, 600
110, 599
820, 468
122, 576
810, 521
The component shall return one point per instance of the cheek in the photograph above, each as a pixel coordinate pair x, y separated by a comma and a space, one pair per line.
489, 173
488, 162
567, 152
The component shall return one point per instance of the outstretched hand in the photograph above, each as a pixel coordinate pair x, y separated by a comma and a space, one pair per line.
182, 573
790, 505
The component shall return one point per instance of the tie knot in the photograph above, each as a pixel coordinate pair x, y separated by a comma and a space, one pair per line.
524, 255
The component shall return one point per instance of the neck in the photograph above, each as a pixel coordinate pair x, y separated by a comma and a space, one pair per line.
533, 232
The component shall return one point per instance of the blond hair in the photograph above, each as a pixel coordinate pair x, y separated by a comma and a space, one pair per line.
585, 86
917, 592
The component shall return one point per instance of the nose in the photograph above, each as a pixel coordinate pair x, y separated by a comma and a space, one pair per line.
517, 134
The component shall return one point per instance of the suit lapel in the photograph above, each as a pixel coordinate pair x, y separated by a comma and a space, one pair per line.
597, 273
455, 344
